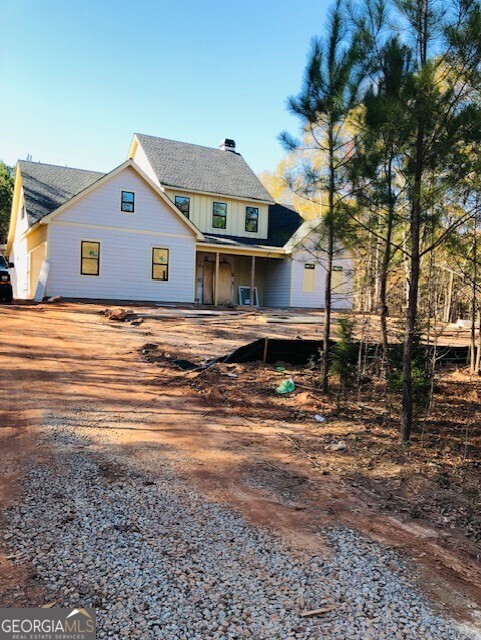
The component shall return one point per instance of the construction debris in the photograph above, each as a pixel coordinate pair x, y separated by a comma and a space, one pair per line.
118, 314
54, 299
287, 319
336, 446
286, 386
319, 612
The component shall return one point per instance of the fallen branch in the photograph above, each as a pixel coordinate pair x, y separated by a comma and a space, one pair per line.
319, 612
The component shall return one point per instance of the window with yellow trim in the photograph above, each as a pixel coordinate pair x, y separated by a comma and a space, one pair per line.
337, 283
90, 258
309, 278
160, 264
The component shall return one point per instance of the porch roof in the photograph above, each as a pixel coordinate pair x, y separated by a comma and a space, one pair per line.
283, 223
233, 245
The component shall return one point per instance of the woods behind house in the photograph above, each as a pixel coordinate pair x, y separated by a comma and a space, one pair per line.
388, 158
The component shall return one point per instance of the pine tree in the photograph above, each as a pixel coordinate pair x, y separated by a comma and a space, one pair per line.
6, 192
328, 94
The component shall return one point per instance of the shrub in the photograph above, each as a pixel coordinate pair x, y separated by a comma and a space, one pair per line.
344, 354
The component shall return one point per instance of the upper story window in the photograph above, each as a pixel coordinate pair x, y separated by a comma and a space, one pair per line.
252, 219
183, 204
127, 202
22, 211
219, 215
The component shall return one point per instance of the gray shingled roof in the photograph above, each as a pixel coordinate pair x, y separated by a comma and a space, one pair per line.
46, 186
192, 167
283, 223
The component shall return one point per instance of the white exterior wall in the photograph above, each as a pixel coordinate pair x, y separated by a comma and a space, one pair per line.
126, 242
19, 275
142, 161
341, 298
277, 283
19, 255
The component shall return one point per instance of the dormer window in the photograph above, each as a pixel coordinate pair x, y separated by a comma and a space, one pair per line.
183, 204
219, 215
252, 219
127, 201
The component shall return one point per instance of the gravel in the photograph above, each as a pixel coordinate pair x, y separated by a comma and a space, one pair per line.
160, 561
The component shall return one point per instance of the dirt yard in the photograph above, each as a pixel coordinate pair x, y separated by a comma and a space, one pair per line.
238, 444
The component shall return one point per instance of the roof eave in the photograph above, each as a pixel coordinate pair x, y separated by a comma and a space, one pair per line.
212, 247
217, 194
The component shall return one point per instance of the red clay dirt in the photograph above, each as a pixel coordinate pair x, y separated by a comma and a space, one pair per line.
262, 454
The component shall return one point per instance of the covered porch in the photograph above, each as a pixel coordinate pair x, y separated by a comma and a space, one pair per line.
232, 274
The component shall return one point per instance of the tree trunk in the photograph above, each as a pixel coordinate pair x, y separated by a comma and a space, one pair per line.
386, 259
415, 229
412, 307
329, 260
449, 299
478, 353
376, 275
473, 294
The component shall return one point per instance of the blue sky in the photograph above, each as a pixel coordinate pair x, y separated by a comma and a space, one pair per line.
79, 78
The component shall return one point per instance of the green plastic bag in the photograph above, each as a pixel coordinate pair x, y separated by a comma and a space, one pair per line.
286, 386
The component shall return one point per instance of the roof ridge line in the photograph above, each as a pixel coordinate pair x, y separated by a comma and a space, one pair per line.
59, 166
190, 144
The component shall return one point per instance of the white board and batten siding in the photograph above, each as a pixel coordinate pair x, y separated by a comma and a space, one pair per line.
126, 243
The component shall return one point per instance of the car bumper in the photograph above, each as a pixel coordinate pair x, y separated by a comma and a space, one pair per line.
5, 289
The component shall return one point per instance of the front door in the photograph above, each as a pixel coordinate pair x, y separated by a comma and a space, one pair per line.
224, 293
224, 285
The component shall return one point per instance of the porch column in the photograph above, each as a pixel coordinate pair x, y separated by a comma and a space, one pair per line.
253, 279
216, 279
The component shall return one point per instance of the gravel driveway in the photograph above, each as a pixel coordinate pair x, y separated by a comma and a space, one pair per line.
160, 561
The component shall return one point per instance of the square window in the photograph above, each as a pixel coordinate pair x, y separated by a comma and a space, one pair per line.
127, 203
252, 219
90, 258
183, 204
160, 264
219, 215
